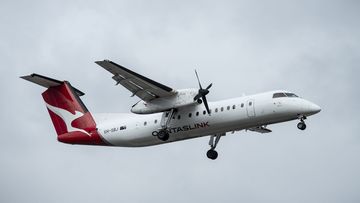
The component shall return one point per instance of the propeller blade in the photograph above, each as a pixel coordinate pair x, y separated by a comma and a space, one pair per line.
198, 79
198, 96
206, 104
202, 93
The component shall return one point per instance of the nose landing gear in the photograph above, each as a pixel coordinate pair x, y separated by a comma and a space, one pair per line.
301, 125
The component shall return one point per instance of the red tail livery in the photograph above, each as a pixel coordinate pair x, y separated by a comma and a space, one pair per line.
72, 120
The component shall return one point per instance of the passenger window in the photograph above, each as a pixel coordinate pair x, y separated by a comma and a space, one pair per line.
228, 108
222, 108
216, 110
250, 103
204, 112
145, 123
123, 127
197, 113
242, 105
190, 114
233, 107
155, 121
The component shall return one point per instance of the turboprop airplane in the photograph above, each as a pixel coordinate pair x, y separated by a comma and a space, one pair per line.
163, 114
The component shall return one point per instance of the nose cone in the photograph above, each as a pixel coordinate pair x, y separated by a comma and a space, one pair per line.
313, 108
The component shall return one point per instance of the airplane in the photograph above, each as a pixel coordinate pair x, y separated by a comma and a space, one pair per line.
163, 114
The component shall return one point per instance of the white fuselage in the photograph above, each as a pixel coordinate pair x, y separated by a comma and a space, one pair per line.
133, 130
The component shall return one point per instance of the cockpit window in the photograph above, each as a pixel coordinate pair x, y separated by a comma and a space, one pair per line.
280, 94
291, 95
283, 94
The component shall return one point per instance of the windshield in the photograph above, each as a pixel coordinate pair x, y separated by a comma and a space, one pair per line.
291, 95
283, 94
280, 94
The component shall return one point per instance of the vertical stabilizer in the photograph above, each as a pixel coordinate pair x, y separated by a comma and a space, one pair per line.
73, 122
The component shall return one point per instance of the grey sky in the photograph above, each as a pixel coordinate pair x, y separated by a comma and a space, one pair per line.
311, 48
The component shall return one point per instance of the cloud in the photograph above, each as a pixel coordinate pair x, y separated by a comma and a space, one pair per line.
311, 48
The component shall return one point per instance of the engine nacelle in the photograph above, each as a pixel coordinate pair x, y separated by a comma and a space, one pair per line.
182, 98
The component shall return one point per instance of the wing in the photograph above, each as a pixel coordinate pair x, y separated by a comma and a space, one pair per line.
139, 85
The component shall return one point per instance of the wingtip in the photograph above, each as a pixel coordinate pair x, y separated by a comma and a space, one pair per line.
25, 77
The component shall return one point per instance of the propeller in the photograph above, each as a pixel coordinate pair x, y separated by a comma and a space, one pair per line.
201, 96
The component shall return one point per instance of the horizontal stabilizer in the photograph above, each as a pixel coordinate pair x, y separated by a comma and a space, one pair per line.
47, 82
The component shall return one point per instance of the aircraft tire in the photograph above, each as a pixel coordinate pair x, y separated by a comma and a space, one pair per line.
212, 154
163, 135
301, 126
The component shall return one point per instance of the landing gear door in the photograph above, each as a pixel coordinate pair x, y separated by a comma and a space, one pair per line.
250, 108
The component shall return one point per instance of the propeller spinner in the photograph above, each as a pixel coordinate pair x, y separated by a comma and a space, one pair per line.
201, 96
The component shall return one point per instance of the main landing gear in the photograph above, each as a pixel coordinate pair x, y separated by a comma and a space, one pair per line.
301, 125
214, 140
163, 133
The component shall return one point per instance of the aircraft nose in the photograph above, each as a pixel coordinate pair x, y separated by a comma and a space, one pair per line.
314, 108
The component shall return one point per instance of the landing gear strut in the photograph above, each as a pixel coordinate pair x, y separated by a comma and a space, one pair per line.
214, 140
163, 133
301, 125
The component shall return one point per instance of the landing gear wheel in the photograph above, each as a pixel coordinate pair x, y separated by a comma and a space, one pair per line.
199, 101
212, 154
301, 126
163, 135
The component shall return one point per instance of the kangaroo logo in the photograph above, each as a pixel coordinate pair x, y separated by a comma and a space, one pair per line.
67, 117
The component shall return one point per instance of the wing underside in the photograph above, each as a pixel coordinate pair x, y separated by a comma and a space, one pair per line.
260, 129
143, 87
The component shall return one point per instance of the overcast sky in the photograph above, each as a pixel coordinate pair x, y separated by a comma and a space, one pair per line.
309, 47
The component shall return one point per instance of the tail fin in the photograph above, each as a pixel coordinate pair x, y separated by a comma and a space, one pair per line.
73, 122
